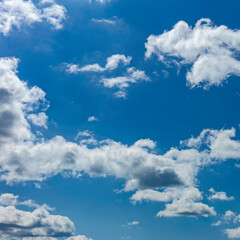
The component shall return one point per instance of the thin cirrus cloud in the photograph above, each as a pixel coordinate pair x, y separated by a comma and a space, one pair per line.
163, 177
112, 21
36, 224
210, 50
17, 13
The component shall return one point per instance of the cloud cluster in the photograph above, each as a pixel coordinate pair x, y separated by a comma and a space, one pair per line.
132, 75
212, 51
24, 157
17, 13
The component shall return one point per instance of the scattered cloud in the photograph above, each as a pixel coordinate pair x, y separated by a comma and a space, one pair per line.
134, 223
211, 51
93, 119
122, 83
24, 157
111, 21
17, 13
216, 224
8, 199
219, 196
228, 218
188, 208
113, 62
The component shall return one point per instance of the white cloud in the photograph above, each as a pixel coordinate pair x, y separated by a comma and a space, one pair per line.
24, 157
39, 119
93, 119
8, 199
134, 223
185, 201
219, 196
211, 50
188, 208
112, 21
233, 233
216, 224
79, 237
122, 83
39, 223
167, 195
113, 62
16, 13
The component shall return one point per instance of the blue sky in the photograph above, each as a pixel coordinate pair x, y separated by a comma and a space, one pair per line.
119, 120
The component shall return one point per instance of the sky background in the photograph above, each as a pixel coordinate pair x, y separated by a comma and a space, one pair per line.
164, 110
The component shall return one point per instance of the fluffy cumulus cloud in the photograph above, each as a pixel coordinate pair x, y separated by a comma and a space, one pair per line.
219, 196
212, 51
233, 233
37, 224
15, 223
185, 201
17, 13
24, 157
186, 207
120, 83
18, 223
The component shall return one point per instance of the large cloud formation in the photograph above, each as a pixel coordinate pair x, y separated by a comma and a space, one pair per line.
24, 157
212, 51
16, 13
